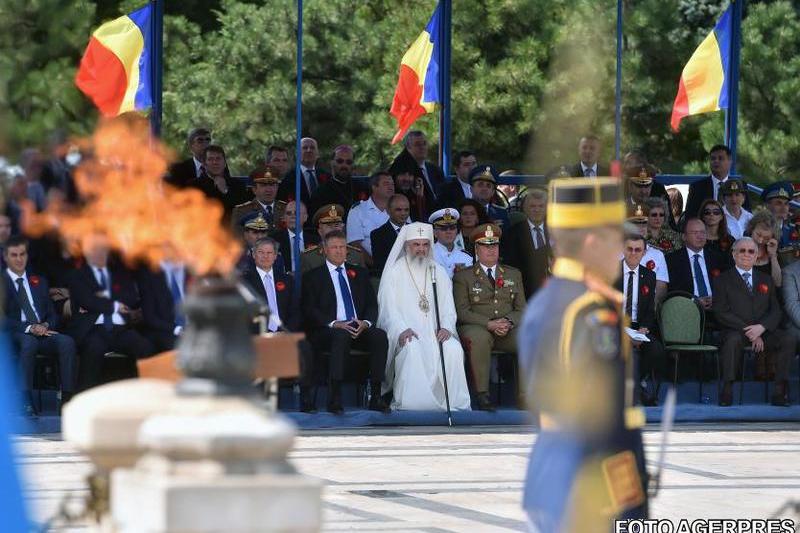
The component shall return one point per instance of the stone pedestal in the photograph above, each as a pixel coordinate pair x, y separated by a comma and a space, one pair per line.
214, 464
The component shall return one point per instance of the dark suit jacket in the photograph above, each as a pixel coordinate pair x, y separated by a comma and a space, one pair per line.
450, 194
237, 192
282, 236
334, 192
382, 239
736, 308
319, 296
518, 251
158, 308
680, 271
437, 178
42, 304
286, 190
702, 189
577, 171
646, 303
182, 173
289, 312
83, 288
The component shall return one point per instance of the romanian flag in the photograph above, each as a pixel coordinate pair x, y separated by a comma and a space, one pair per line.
704, 82
417, 89
115, 68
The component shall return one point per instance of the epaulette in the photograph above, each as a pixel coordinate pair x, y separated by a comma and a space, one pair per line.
355, 248
280, 202
245, 204
311, 248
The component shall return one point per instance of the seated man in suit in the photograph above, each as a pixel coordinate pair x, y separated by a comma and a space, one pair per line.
653, 257
183, 173
340, 310
693, 268
452, 192
312, 176
383, 237
218, 185
638, 287
589, 154
287, 235
163, 292
747, 309
33, 323
274, 289
102, 301
526, 245
489, 299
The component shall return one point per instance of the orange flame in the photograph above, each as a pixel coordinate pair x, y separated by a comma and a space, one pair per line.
125, 199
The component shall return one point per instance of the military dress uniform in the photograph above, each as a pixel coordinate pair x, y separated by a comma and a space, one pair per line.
496, 213
790, 232
272, 215
314, 256
587, 467
478, 300
456, 258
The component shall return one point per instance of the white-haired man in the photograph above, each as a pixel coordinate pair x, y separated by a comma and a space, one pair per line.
408, 314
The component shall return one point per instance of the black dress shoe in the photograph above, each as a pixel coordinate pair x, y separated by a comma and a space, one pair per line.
335, 408
376, 403
308, 408
781, 396
484, 403
726, 396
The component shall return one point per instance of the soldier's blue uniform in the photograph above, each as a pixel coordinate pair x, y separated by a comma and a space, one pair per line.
587, 467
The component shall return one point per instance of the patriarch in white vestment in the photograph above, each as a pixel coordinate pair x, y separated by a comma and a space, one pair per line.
407, 314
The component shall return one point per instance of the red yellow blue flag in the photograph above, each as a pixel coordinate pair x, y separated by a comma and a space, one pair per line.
703, 86
115, 68
417, 91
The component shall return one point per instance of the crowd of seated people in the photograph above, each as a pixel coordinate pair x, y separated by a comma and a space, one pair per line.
737, 262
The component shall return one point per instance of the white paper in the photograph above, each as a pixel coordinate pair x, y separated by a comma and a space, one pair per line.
635, 335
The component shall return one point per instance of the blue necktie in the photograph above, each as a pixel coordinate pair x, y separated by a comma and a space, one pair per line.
346, 296
108, 319
177, 299
702, 290
746, 276
312, 181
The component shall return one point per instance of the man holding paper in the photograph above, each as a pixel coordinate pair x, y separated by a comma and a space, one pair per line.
638, 286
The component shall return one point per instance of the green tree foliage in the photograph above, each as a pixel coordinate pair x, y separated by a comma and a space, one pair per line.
529, 77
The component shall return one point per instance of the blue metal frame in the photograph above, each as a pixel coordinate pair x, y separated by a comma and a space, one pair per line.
156, 68
618, 89
445, 34
298, 227
732, 113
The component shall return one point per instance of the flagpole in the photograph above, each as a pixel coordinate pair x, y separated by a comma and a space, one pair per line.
732, 113
445, 35
156, 66
618, 90
298, 227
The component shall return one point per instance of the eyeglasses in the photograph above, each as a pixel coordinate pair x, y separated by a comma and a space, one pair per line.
344, 161
657, 215
712, 212
748, 251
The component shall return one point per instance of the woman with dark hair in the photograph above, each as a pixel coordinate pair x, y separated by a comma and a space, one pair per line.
719, 237
675, 202
659, 234
472, 214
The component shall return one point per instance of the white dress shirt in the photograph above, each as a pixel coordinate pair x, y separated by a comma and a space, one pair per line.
584, 167
304, 172
362, 219
428, 179
634, 294
341, 314
717, 182
291, 246
741, 274
532, 228
268, 280
197, 166
449, 259
177, 272
655, 255
736, 226
703, 269
466, 187
27, 286
116, 317
486, 270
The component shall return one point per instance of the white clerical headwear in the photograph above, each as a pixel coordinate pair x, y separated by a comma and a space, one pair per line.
416, 230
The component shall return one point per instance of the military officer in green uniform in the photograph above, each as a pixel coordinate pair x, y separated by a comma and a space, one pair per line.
328, 218
587, 468
489, 300
265, 188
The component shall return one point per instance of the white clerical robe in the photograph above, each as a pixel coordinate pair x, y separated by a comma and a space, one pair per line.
414, 371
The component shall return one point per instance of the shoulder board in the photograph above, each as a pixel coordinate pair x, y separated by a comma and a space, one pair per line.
280, 203
245, 204
311, 248
354, 248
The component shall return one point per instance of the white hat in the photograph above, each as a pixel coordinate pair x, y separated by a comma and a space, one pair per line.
416, 230
444, 217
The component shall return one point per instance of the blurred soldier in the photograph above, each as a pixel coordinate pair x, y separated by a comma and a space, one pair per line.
587, 467
327, 218
265, 187
489, 300
776, 197
445, 228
